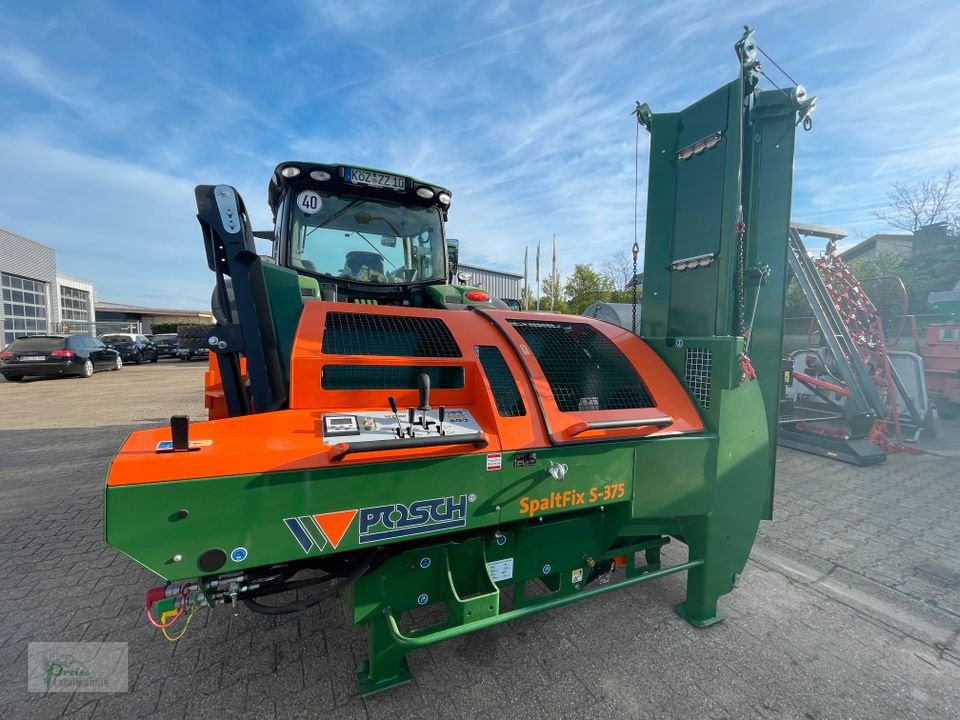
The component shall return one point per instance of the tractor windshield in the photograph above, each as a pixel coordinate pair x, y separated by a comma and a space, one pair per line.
366, 240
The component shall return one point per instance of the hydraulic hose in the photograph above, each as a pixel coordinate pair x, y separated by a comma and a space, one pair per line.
310, 602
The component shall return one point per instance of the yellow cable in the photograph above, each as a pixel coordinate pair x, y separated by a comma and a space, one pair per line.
183, 630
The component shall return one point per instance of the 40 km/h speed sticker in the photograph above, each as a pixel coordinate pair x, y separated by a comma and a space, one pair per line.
310, 202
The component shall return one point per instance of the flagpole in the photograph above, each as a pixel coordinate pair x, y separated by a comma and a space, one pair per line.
526, 281
538, 276
553, 289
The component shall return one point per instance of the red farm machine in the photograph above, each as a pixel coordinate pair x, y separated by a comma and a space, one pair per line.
851, 397
381, 433
942, 354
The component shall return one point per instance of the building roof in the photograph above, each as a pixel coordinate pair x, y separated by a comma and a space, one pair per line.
138, 310
490, 270
821, 231
870, 243
8, 234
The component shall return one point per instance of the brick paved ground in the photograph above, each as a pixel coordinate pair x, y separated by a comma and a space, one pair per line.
850, 606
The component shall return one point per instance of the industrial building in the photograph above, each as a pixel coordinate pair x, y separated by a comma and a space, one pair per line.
499, 283
36, 299
133, 318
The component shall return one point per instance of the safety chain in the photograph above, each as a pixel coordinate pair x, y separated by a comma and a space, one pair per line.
741, 320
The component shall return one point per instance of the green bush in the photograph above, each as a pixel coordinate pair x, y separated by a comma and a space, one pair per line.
171, 327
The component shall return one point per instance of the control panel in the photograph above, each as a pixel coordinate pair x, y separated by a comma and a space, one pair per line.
377, 425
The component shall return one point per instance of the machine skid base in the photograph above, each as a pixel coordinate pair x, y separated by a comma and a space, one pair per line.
697, 622
854, 451
368, 686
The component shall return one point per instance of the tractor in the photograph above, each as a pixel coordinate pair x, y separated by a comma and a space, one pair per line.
360, 235
384, 437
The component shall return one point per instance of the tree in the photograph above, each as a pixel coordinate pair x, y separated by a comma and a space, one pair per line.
528, 301
584, 287
930, 210
928, 202
796, 302
618, 270
552, 290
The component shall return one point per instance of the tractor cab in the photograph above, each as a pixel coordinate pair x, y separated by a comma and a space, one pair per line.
364, 236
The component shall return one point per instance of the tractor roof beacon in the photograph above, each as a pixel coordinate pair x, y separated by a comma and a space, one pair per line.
365, 436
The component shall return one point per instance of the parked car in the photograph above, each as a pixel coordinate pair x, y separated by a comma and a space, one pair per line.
166, 344
132, 347
51, 355
189, 353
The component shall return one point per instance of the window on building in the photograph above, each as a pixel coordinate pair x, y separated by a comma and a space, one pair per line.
74, 304
24, 307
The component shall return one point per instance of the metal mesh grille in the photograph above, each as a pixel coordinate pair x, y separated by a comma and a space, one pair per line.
504, 387
697, 369
388, 377
585, 370
368, 334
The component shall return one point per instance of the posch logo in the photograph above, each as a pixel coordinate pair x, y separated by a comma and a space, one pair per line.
379, 523
386, 522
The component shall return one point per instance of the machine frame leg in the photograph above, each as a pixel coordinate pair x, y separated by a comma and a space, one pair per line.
704, 586
387, 665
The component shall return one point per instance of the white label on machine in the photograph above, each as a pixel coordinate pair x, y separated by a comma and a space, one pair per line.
494, 461
500, 570
309, 202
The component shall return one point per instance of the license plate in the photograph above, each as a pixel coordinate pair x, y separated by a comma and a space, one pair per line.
33, 358
374, 179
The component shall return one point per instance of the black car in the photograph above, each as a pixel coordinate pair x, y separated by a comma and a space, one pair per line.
189, 353
132, 347
166, 344
52, 355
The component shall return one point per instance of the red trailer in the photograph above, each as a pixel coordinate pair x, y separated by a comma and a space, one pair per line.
942, 362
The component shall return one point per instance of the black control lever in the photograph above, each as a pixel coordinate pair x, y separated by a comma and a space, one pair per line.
441, 413
393, 408
423, 385
410, 422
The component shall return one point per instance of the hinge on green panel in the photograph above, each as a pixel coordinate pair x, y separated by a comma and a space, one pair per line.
756, 275
690, 263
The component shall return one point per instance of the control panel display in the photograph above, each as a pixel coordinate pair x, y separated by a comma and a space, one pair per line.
336, 425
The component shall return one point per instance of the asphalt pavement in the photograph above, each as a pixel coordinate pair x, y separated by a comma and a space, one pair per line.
848, 608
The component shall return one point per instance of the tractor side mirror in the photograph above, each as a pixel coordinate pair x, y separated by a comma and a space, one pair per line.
453, 258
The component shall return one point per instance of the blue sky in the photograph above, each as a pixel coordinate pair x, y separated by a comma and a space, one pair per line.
112, 112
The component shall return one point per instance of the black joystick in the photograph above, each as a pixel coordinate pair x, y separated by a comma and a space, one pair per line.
423, 385
393, 408
441, 413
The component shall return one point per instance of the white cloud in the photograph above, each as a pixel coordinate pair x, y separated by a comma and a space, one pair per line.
129, 229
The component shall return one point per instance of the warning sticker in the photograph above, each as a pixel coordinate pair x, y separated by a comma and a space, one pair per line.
500, 570
309, 202
168, 444
494, 461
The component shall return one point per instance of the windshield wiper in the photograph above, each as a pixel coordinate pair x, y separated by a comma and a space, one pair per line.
375, 248
338, 213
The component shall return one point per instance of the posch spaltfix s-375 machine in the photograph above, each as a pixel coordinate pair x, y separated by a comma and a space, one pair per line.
417, 446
